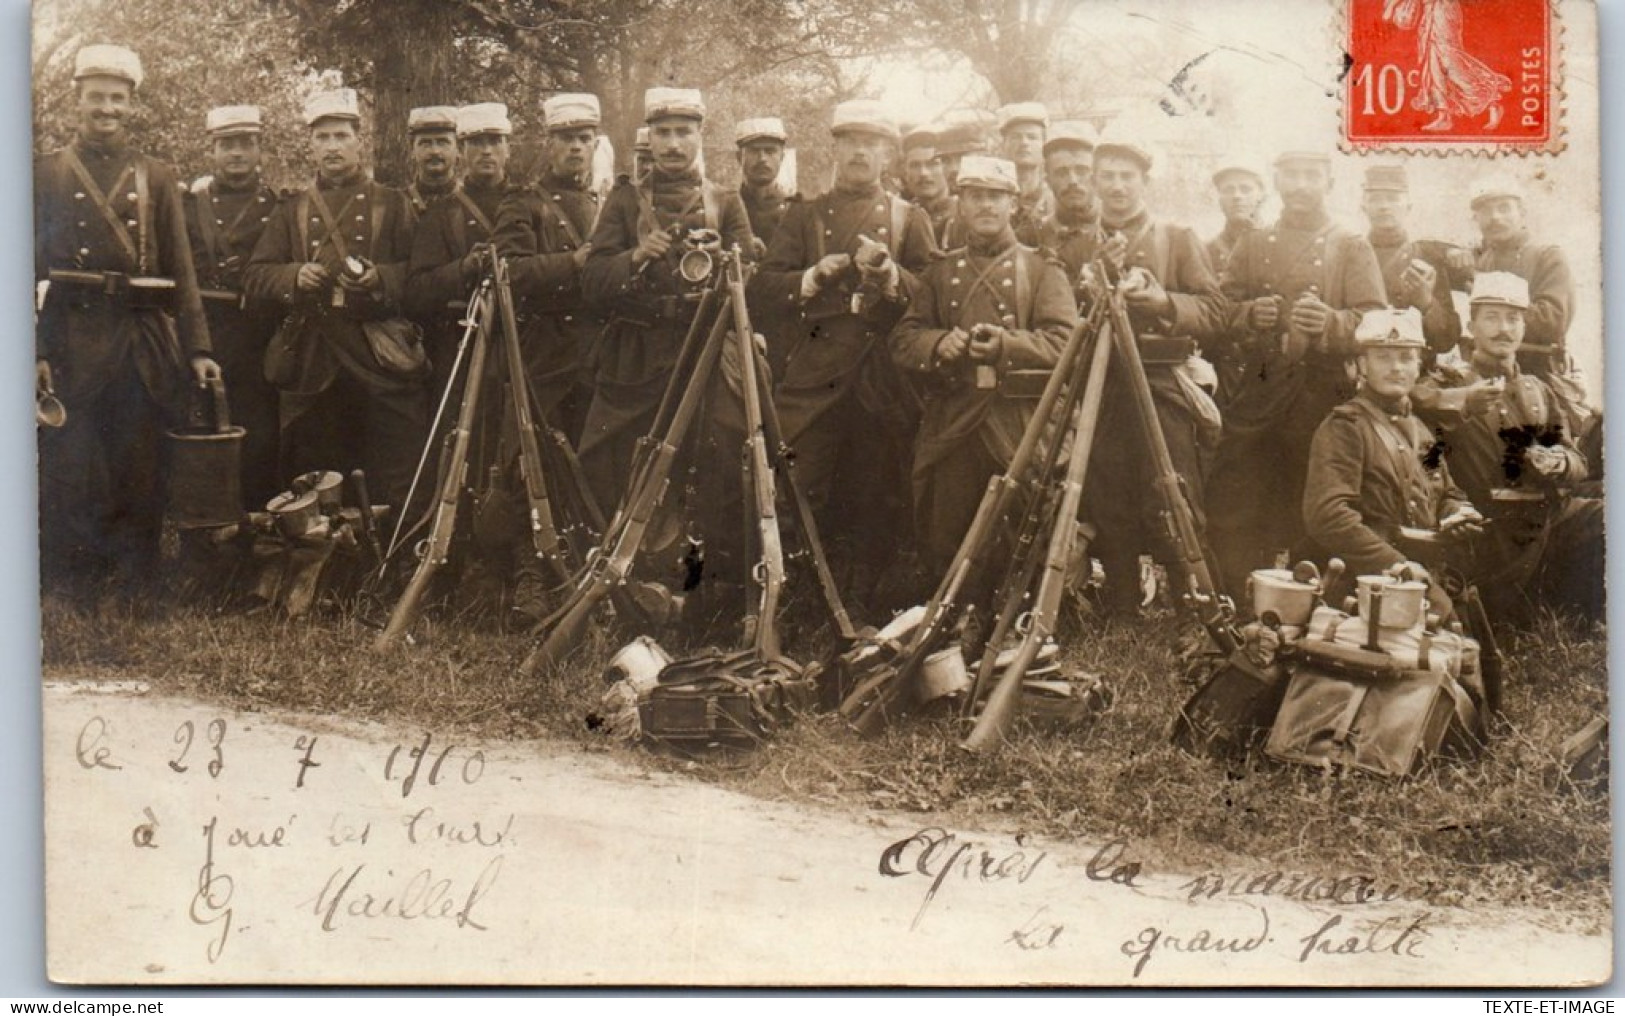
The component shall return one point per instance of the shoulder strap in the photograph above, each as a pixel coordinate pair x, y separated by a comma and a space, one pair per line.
819, 250
100, 200
899, 223
301, 217
203, 201
143, 215
1406, 461
474, 210
1024, 291
980, 282
713, 213
334, 235
551, 207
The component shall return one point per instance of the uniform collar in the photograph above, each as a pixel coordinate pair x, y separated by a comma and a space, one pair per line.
751, 192
1387, 236
1132, 224
861, 191
430, 193
659, 179
252, 184
1235, 229
1306, 221
562, 181
1387, 406
1512, 243
1486, 368
996, 247
475, 189
113, 149
354, 178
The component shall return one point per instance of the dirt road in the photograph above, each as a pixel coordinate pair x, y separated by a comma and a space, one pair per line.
190, 844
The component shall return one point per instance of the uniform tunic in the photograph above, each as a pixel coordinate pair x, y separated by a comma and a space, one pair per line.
1117, 497
765, 209
843, 406
539, 230
968, 433
437, 277
1258, 473
1395, 251
1373, 468
224, 224
648, 309
341, 406
1551, 297
117, 370
1559, 538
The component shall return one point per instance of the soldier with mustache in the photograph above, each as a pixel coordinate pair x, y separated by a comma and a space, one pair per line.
1069, 168
1506, 246
433, 131
760, 143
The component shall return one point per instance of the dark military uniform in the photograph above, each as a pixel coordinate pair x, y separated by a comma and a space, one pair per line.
1117, 497
648, 311
1373, 468
1032, 210
1551, 298
421, 197
1549, 542
345, 402
437, 278
843, 407
968, 434
1071, 243
765, 209
1441, 326
539, 230
1258, 472
225, 223
1224, 243
116, 368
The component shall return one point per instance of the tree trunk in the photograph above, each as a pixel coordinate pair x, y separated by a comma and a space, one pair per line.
413, 63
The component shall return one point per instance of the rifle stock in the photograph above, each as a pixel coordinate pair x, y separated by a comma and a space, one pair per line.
626, 532
543, 529
452, 478
1201, 591
760, 472
999, 715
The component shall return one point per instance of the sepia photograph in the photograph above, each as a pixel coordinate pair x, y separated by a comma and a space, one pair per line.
822, 493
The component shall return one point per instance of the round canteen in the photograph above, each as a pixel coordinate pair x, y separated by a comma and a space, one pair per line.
1402, 601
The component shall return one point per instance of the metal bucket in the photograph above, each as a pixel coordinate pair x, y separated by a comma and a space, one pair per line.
1274, 589
943, 673
1402, 602
205, 472
295, 514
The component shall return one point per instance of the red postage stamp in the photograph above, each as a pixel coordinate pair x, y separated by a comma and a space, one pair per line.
1452, 74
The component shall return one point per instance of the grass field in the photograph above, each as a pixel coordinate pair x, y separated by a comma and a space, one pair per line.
1501, 829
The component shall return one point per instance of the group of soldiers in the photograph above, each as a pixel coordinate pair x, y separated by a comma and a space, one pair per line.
1316, 387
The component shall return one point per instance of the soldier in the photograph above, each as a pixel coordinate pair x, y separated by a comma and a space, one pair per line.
835, 281
1510, 439
631, 273
1241, 190
1174, 306
760, 142
433, 130
1069, 232
925, 185
954, 142
1498, 208
1415, 273
226, 213
1022, 126
542, 230
1297, 290
351, 369
444, 267
1373, 466
992, 304
106, 339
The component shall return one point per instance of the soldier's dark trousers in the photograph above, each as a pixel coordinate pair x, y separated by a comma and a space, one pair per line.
348, 426
1119, 495
946, 496
618, 416
101, 487
1255, 489
239, 347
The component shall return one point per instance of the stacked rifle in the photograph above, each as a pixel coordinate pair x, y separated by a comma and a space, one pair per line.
1028, 517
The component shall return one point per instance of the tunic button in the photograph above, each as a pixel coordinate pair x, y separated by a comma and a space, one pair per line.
959, 264
359, 218
130, 196
953, 282
81, 225
829, 232
362, 196
953, 303
1005, 282
1316, 262
220, 222
882, 230
84, 250
78, 195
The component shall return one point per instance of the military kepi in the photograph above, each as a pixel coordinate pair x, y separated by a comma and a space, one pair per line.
760, 128
224, 121
660, 103
572, 111
1493, 188
1500, 287
989, 173
431, 119
483, 118
339, 102
1387, 327
1386, 177
1073, 135
1022, 112
104, 61
865, 116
